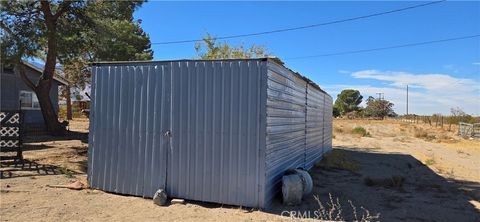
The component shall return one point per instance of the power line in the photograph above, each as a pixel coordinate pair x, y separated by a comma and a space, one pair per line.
384, 48
303, 27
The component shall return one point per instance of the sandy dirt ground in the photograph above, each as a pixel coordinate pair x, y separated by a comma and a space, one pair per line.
404, 172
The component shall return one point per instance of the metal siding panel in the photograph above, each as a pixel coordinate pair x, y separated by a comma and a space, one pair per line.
225, 107
315, 124
215, 119
328, 118
103, 125
150, 136
92, 128
236, 125
262, 135
109, 169
122, 129
285, 126
297, 126
177, 125
126, 133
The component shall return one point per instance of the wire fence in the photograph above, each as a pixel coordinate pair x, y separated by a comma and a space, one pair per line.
466, 126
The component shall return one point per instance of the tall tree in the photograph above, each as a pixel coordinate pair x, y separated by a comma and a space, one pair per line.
66, 31
348, 100
114, 36
378, 108
210, 48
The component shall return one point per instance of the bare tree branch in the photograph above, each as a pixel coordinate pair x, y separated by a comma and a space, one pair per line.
64, 6
46, 9
7, 29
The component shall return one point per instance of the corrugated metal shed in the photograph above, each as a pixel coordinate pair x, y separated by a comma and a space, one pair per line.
220, 131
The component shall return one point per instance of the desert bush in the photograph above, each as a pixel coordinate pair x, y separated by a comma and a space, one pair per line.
65, 171
420, 133
361, 131
332, 211
430, 161
423, 134
337, 159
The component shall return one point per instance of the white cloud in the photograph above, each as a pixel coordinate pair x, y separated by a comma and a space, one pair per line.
452, 68
429, 93
476, 63
432, 82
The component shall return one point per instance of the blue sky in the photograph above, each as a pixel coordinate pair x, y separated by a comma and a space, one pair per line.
441, 76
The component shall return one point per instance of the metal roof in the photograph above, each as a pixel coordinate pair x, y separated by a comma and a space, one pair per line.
272, 59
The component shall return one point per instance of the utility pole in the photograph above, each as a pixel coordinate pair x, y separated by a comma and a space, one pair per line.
380, 96
407, 100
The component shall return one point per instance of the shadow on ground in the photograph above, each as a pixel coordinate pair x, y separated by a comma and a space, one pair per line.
70, 135
421, 195
26, 168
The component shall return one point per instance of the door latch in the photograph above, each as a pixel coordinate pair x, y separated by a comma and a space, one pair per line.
168, 133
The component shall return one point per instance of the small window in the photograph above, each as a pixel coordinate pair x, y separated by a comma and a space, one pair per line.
28, 100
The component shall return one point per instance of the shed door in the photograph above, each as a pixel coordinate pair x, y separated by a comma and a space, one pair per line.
129, 119
214, 153
192, 131
149, 109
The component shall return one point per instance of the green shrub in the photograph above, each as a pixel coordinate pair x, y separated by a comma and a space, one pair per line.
361, 131
430, 161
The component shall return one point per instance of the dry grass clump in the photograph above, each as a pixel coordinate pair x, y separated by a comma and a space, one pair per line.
423, 134
332, 211
402, 139
337, 159
438, 136
338, 130
420, 133
448, 173
446, 139
361, 131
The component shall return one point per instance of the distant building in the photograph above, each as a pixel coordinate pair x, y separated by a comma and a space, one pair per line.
16, 95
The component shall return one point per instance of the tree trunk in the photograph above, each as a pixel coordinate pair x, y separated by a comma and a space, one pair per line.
50, 117
44, 84
69, 103
68, 97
